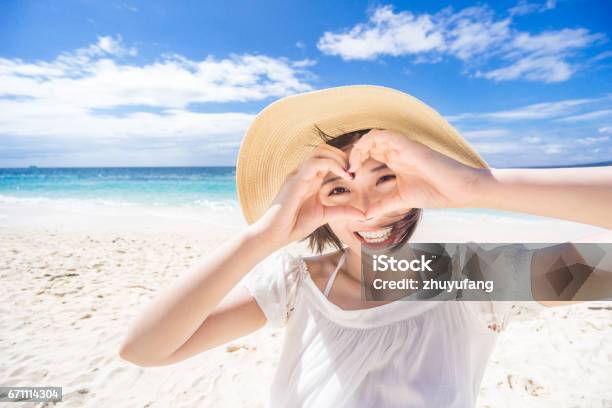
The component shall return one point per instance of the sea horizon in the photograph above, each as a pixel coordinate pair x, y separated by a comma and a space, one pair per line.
586, 164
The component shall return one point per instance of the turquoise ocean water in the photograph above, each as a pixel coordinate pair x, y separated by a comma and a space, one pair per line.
211, 187
193, 187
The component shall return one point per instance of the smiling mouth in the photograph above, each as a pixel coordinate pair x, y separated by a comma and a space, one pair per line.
377, 239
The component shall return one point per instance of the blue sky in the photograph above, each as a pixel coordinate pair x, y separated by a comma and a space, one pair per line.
129, 83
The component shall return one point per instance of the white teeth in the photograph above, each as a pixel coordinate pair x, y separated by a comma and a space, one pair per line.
375, 236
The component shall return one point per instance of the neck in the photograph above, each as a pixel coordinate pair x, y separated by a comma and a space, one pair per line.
352, 264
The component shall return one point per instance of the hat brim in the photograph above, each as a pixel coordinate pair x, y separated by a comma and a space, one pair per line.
283, 134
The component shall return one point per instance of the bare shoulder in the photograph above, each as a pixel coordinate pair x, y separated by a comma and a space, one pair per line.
320, 266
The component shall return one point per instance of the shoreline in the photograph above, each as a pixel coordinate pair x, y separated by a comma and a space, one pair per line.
446, 225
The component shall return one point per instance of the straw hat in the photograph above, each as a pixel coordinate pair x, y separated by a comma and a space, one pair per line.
282, 135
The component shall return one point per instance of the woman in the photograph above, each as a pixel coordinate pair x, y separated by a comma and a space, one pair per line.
363, 187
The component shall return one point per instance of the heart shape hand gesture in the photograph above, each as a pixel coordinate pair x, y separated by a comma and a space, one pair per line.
297, 209
425, 177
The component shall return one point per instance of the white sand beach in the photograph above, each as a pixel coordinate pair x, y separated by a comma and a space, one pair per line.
74, 279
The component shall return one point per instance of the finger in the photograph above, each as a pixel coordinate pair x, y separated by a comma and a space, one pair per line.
381, 153
325, 150
403, 145
359, 154
331, 213
391, 148
387, 205
309, 179
320, 167
294, 190
367, 146
389, 138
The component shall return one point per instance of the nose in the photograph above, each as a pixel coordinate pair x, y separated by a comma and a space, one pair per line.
361, 202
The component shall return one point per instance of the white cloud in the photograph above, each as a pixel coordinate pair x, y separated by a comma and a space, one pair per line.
602, 56
514, 143
504, 141
542, 133
544, 110
553, 42
129, 7
604, 113
545, 69
112, 46
72, 122
497, 147
304, 63
81, 93
474, 35
538, 146
523, 7
543, 57
97, 94
473, 32
386, 33
532, 139
593, 140
553, 148
485, 133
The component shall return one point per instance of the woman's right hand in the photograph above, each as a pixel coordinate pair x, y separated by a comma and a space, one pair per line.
296, 210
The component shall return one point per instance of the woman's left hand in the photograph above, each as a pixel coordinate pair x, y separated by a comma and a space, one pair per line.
425, 177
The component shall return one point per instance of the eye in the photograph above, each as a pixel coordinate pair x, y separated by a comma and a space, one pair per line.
385, 178
342, 190
334, 191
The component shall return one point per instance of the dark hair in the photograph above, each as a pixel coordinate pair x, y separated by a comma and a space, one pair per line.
323, 236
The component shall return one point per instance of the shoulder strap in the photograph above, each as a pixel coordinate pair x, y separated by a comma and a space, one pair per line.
332, 277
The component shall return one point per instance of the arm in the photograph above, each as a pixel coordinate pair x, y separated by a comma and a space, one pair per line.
574, 194
180, 322
429, 179
205, 307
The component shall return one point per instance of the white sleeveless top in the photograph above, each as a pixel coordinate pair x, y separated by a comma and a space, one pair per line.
399, 354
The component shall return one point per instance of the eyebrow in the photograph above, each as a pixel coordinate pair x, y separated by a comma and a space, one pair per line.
375, 169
